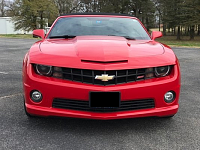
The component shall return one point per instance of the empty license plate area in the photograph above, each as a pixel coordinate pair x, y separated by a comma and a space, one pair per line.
105, 100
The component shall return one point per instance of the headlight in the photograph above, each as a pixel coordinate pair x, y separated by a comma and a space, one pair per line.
44, 70
162, 71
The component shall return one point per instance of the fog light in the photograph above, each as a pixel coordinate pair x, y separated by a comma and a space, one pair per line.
36, 96
169, 97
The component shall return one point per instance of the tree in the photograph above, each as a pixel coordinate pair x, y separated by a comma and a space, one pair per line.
2, 8
179, 14
191, 15
44, 9
67, 6
31, 14
175, 15
147, 13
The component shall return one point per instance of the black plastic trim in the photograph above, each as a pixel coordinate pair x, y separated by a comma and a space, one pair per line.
107, 14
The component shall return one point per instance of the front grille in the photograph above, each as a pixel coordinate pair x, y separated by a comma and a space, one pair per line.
84, 105
88, 76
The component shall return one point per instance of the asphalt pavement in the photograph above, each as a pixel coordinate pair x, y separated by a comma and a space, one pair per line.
17, 131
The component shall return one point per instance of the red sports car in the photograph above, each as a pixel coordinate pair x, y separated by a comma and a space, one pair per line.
100, 66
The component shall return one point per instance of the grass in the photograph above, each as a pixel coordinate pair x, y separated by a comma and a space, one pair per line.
168, 40
21, 36
184, 42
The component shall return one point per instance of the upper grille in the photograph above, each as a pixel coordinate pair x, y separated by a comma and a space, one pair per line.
84, 105
88, 76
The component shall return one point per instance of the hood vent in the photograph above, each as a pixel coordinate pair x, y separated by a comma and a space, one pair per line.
104, 62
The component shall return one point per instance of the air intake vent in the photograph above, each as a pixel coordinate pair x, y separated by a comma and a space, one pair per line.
84, 105
105, 62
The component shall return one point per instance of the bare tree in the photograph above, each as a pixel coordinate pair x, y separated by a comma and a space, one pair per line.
5, 7
2, 8
68, 6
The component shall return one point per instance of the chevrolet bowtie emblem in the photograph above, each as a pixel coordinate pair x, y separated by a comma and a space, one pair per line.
105, 77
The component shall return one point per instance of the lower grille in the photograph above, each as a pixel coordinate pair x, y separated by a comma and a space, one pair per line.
84, 105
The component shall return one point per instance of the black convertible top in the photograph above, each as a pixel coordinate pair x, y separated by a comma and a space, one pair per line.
112, 14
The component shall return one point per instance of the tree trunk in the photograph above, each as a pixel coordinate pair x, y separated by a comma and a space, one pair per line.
2, 8
179, 33
185, 30
147, 23
35, 22
174, 31
169, 30
159, 22
181, 30
164, 29
41, 21
192, 33
94, 6
136, 10
188, 32
198, 33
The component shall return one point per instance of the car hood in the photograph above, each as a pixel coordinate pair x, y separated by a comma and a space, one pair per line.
96, 51
103, 49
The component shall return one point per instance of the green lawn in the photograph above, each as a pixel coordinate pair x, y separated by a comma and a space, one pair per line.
172, 41
169, 40
21, 36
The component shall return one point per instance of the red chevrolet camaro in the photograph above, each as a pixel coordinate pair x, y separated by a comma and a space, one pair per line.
100, 66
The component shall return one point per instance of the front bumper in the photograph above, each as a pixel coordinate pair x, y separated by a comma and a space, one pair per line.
43, 111
56, 88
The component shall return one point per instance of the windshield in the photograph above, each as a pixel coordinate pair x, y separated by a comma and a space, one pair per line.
105, 26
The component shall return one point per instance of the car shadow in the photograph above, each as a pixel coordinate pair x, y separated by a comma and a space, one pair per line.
86, 126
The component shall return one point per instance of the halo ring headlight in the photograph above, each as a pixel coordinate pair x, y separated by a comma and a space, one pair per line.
162, 71
44, 70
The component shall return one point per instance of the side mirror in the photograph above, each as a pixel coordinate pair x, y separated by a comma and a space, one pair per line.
156, 34
38, 33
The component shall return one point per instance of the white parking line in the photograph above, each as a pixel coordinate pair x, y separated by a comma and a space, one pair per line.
15, 72
9, 96
3, 73
11, 72
12, 48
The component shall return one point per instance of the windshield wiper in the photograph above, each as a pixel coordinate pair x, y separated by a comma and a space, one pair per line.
129, 38
126, 37
63, 36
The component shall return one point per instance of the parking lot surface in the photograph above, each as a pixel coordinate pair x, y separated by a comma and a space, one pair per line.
19, 132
